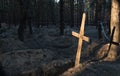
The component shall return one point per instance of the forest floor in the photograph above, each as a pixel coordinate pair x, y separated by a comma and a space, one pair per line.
46, 53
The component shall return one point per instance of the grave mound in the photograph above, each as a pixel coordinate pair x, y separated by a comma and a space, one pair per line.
62, 42
16, 62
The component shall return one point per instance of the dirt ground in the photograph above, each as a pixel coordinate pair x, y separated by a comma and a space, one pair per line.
46, 53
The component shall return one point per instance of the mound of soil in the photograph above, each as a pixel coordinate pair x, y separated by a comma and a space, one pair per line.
94, 69
9, 44
62, 42
16, 62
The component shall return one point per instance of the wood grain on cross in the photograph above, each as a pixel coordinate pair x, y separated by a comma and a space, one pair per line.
81, 37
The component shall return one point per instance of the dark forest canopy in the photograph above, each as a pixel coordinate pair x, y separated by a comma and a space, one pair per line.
47, 11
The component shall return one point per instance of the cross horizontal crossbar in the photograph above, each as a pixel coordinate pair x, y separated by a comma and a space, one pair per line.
115, 43
82, 37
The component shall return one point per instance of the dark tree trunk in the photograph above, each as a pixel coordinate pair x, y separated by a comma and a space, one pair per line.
20, 32
52, 13
110, 2
98, 18
72, 12
23, 19
61, 18
38, 12
22, 25
79, 12
2, 71
29, 24
0, 25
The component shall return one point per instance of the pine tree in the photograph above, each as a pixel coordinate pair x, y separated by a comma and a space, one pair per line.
61, 18
72, 12
115, 11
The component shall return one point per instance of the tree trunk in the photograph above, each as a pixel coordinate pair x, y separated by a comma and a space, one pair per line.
98, 18
29, 24
0, 24
72, 12
61, 18
22, 26
20, 32
79, 12
22, 21
115, 11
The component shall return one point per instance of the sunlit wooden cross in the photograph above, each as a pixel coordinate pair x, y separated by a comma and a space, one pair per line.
81, 37
111, 39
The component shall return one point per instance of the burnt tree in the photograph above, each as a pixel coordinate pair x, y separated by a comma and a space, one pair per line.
22, 21
72, 12
61, 18
98, 18
23, 12
79, 12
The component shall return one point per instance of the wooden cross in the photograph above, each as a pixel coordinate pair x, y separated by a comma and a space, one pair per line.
81, 37
111, 40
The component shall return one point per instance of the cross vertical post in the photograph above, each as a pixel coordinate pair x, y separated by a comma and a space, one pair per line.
81, 38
